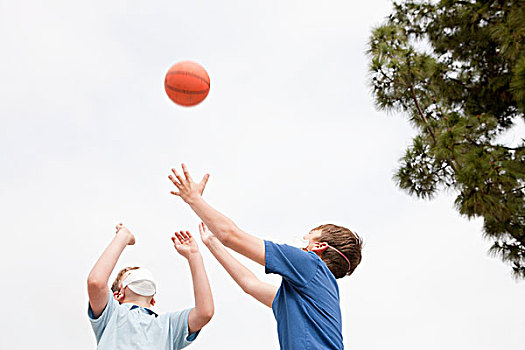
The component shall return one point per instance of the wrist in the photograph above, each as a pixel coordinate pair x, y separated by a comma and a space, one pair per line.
211, 241
194, 256
192, 198
123, 237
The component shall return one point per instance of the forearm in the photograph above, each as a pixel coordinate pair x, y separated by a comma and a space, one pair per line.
224, 228
221, 226
240, 274
227, 232
202, 292
99, 275
246, 279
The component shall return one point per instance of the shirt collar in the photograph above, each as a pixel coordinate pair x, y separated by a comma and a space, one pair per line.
131, 306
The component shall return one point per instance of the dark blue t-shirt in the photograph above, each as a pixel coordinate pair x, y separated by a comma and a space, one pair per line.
306, 305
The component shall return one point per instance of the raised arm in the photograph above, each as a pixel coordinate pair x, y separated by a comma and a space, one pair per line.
202, 313
223, 228
250, 284
98, 277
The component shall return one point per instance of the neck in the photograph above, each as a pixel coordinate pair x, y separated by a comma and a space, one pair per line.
139, 301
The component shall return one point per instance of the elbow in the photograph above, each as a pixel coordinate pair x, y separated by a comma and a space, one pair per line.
230, 236
248, 287
206, 315
208, 312
95, 283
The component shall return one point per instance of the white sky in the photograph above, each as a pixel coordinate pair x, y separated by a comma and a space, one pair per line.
290, 136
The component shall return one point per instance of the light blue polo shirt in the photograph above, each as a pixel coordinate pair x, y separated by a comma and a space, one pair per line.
128, 327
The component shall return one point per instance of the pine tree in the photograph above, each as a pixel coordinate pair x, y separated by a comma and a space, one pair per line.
457, 70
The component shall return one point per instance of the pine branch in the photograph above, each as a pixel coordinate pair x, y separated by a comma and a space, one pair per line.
420, 112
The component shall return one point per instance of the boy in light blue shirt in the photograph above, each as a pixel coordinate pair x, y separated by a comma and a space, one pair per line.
122, 318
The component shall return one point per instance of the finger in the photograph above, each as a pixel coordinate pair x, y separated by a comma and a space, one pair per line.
179, 242
176, 241
179, 236
183, 237
188, 235
175, 182
204, 181
175, 193
177, 175
171, 177
201, 228
186, 172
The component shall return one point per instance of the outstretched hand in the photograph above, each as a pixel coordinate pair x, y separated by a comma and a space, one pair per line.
187, 188
206, 234
124, 231
185, 244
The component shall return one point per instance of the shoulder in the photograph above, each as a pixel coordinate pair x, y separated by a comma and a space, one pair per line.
177, 318
293, 264
108, 311
288, 251
272, 246
179, 329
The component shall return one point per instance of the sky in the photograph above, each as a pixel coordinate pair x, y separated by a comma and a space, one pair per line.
291, 138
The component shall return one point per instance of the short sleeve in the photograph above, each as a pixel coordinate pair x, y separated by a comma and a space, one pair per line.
99, 324
293, 264
179, 329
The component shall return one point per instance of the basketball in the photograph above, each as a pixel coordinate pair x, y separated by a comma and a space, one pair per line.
187, 83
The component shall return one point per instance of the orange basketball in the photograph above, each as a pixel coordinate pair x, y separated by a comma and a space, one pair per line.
187, 83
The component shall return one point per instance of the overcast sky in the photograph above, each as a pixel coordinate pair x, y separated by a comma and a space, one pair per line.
290, 136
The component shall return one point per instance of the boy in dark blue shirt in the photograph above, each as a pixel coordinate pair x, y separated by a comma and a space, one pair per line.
306, 306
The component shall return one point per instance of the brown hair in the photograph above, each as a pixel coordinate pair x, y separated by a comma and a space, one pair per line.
344, 240
115, 285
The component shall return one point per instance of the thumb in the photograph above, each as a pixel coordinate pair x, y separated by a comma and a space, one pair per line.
204, 181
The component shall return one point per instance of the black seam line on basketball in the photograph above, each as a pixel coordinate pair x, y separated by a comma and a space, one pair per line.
187, 73
187, 91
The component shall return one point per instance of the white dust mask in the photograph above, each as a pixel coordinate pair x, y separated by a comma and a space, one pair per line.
140, 281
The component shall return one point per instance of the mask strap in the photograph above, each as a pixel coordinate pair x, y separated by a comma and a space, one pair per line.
344, 256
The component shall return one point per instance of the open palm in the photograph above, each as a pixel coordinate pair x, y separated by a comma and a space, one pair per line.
184, 243
187, 187
206, 234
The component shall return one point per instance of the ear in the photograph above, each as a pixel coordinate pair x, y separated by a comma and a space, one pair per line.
152, 302
319, 248
119, 295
